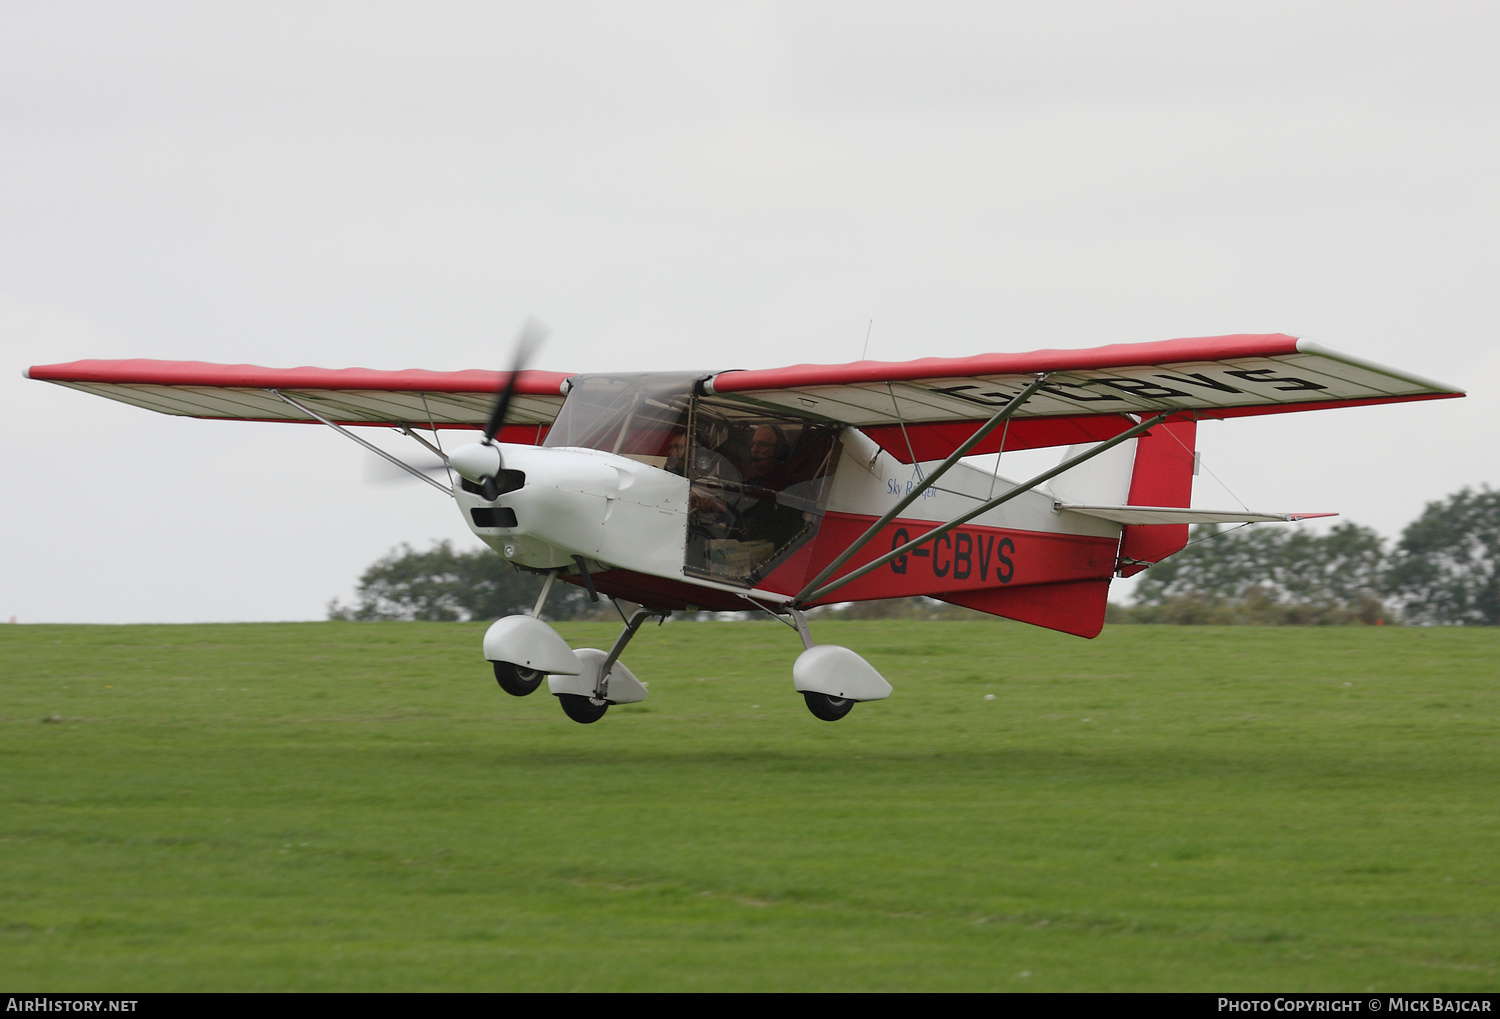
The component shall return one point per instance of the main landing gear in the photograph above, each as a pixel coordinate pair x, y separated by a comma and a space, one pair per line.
832, 679
519, 681
524, 651
602, 679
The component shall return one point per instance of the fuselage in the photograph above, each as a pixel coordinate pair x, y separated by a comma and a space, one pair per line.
639, 528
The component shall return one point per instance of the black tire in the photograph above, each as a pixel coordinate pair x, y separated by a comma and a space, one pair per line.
517, 681
584, 710
829, 709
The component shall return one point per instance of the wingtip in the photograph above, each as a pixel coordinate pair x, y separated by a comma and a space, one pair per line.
1309, 346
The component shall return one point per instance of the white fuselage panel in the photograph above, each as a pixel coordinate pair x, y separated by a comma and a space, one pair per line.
606, 508
869, 481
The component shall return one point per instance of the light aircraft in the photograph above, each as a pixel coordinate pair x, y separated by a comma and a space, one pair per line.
785, 488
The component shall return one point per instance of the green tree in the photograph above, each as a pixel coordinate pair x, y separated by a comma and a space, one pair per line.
441, 585
1444, 568
1268, 575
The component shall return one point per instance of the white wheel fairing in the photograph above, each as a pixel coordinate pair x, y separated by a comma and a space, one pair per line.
529, 643
838, 672
623, 687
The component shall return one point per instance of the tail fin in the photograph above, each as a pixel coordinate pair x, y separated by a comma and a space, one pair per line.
1163, 476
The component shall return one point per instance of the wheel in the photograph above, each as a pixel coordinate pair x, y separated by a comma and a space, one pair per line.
583, 709
515, 680
829, 709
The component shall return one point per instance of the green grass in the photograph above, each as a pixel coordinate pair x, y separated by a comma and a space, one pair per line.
357, 806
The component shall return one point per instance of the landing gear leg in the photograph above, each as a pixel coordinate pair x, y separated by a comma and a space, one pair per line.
587, 697
637, 618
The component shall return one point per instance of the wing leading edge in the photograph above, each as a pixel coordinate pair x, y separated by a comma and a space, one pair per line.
349, 396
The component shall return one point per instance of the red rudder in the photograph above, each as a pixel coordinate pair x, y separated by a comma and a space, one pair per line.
1163, 476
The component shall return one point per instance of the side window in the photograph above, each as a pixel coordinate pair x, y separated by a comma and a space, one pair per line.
758, 489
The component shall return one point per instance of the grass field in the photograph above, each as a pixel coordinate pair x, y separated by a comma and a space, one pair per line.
357, 806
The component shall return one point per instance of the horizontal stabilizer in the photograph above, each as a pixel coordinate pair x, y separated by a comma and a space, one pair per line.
1175, 515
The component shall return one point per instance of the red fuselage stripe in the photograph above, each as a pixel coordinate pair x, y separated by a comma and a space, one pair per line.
969, 558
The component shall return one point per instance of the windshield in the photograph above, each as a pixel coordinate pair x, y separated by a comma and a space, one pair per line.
632, 415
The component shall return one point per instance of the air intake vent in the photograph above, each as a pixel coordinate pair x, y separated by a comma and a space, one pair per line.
493, 516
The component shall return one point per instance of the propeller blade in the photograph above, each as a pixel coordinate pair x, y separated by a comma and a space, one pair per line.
531, 336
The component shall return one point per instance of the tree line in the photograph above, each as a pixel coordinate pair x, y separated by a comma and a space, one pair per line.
442, 585
1443, 570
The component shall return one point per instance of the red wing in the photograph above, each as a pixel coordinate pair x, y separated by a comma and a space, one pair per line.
923, 407
357, 396
933, 403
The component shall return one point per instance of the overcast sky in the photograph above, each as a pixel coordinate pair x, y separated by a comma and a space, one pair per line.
703, 185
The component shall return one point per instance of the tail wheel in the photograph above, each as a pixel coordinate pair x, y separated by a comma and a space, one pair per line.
517, 681
583, 709
829, 709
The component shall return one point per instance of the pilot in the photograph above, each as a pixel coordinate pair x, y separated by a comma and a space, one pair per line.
765, 475
768, 454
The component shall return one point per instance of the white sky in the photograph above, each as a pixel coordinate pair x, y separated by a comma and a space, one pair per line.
686, 185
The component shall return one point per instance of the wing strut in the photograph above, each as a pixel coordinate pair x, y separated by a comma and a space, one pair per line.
408, 468
1001, 416
804, 598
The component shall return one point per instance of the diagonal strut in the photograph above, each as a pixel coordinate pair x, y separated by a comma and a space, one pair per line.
804, 598
1000, 417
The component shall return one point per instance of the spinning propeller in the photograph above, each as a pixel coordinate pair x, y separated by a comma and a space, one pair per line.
482, 462
531, 337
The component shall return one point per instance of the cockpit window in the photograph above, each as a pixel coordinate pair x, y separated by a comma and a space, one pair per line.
759, 485
758, 479
633, 415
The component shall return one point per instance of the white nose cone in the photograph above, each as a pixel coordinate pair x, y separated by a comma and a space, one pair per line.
476, 460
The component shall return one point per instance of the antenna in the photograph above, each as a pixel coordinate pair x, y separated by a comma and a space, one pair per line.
862, 353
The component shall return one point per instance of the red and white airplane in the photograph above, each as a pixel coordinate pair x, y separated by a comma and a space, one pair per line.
785, 488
